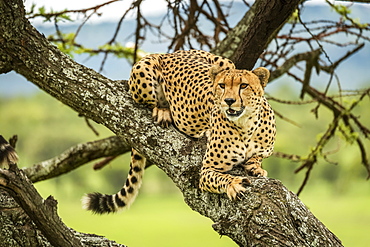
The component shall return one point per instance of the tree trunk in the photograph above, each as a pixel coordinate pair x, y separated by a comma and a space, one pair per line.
269, 215
247, 41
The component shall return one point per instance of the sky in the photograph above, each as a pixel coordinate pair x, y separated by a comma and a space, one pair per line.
112, 11
109, 12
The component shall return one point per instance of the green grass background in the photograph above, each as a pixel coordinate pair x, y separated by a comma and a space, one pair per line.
166, 221
338, 195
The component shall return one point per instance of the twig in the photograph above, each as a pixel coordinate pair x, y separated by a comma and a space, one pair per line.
292, 157
87, 121
312, 158
99, 165
55, 14
278, 114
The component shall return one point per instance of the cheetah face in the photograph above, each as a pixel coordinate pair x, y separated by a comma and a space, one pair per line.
238, 92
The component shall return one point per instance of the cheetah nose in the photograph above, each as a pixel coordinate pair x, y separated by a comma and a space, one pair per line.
229, 101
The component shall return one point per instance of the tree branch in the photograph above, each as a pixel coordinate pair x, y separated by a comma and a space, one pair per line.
75, 157
42, 212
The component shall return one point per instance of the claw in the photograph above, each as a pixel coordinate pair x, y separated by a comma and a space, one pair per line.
256, 171
246, 182
241, 196
236, 187
155, 113
162, 116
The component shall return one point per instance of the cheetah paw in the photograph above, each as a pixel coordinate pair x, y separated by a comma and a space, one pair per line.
256, 171
237, 187
162, 116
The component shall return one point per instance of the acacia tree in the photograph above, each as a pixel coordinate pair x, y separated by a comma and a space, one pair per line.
269, 215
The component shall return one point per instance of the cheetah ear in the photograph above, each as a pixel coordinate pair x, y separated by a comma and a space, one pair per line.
214, 71
263, 74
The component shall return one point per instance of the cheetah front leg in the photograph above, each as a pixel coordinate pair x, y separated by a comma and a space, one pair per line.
217, 182
254, 167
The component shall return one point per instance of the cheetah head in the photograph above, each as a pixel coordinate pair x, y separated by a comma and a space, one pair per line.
238, 92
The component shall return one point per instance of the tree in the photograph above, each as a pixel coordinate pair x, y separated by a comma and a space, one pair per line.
272, 216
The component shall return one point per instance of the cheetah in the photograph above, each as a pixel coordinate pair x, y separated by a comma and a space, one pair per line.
202, 93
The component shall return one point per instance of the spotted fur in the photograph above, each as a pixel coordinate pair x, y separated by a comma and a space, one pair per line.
101, 204
200, 92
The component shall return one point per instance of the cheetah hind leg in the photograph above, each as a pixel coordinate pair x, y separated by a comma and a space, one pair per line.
104, 204
162, 116
161, 112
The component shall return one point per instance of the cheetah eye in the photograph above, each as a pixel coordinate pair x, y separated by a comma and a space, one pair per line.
244, 85
222, 85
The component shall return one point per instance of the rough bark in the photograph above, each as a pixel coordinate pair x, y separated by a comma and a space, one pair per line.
269, 215
247, 41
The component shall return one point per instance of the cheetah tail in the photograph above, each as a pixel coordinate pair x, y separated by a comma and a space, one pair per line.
104, 204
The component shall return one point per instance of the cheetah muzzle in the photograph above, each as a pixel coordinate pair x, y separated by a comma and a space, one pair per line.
231, 113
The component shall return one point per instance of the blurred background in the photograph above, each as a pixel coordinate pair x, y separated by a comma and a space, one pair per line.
337, 194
